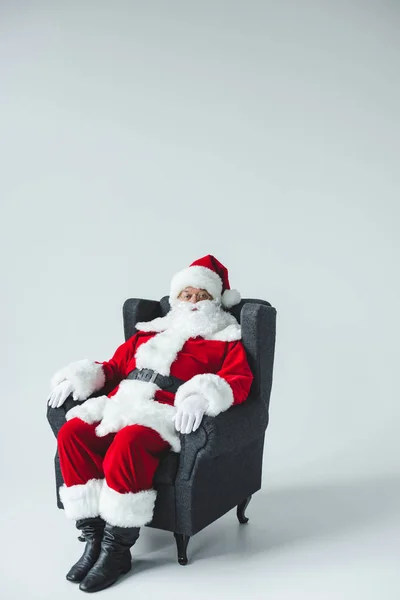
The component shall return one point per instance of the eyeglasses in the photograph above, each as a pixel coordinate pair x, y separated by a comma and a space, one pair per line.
198, 295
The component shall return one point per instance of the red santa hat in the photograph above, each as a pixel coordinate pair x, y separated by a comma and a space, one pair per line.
205, 273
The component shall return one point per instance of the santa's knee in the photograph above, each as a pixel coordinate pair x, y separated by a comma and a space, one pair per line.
129, 444
131, 438
72, 430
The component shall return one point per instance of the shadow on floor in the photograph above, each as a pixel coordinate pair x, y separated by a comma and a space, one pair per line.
294, 515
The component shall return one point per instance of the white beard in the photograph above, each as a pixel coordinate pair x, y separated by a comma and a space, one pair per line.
181, 323
203, 318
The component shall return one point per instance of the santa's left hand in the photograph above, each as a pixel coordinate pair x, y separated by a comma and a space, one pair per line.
190, 413
60, 393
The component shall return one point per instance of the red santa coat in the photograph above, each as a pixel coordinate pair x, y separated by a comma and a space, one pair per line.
214, 365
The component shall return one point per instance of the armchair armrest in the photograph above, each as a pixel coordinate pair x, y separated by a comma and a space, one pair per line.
228, 431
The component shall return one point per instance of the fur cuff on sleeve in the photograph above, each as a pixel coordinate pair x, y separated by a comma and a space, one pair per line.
85, 375
214, 388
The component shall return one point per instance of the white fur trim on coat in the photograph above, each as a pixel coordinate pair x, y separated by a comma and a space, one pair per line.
197, 277
214, 388
90, 411
132, 404
81, 501
160, 351
85, 375
229, 333
132, 509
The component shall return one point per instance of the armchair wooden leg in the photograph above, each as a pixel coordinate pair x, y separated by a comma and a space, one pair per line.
241, 508
182, 541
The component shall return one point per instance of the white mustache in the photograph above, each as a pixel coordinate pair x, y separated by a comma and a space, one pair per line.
207, 307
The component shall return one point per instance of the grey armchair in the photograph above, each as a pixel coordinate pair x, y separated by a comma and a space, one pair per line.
220, 464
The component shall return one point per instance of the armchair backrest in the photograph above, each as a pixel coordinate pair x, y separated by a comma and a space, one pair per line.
258, 322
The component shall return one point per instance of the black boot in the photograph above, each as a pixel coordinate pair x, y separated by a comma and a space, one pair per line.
114, 560
92, 530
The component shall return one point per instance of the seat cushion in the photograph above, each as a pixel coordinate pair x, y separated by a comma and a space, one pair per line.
167, 469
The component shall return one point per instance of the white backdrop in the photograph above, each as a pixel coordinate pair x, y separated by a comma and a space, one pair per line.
139, 136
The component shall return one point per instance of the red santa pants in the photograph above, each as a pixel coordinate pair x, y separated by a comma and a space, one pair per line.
110, 476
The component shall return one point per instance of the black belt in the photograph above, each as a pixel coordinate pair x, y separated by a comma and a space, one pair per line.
165, 382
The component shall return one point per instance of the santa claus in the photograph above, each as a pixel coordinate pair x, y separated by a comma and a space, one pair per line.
170, 373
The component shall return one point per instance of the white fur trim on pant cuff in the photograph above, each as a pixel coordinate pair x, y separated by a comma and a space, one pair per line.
132, 509
214, 388
85, 375
81, 501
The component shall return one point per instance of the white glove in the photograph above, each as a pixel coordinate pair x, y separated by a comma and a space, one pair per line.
60, 393
190, 413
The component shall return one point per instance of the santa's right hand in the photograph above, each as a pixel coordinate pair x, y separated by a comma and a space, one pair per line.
60, 393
